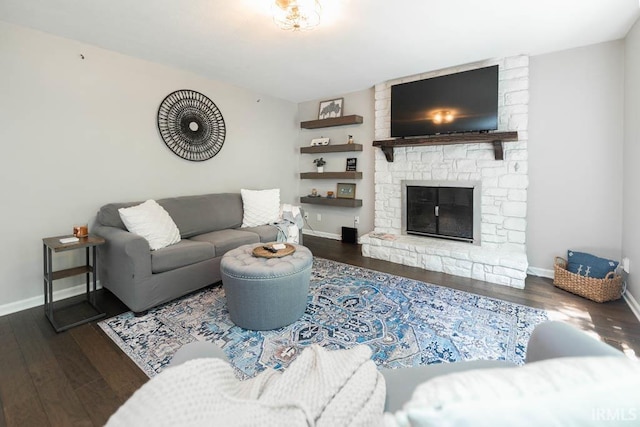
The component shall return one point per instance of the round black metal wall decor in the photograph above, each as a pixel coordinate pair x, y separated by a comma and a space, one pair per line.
191, 125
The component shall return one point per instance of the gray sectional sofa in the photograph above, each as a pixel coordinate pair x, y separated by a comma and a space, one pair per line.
209, 227
570, 379
549, 340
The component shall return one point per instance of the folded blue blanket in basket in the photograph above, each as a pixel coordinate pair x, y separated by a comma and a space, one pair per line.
589, 265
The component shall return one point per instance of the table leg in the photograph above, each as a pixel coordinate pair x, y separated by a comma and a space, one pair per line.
44, 276
87, 275
95, 273
50, 282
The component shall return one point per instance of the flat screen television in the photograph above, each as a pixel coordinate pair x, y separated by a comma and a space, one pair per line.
460, 102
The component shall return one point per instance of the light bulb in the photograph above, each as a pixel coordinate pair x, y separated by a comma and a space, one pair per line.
448, 117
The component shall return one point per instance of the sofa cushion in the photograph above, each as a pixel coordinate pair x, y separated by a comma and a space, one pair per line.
196, 215
267, 233
225, 240
151, 221
581, 391
260, 207
108, 214
184, 253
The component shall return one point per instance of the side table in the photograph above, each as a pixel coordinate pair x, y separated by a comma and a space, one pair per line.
51, 245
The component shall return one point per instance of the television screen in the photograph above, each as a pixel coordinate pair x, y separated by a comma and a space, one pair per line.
460, 102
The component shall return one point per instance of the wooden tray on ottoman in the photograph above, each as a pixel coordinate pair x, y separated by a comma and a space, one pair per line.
598, 290
260, 251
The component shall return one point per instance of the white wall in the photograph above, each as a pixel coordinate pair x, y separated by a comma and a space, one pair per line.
631, 212
334, 218
77, 134
575, 153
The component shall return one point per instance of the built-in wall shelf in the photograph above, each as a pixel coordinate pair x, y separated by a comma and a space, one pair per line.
496, 138
331, 175
345, 203
338, 148
353, 119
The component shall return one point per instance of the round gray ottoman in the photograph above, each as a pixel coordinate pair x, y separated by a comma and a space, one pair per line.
265, 293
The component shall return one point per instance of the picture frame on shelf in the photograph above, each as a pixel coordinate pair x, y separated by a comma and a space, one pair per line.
346, 191
352, 163
330, 109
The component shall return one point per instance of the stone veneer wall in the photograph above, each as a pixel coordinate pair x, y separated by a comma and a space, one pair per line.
501, 256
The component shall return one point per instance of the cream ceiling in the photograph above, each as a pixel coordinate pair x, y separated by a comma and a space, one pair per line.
359, 42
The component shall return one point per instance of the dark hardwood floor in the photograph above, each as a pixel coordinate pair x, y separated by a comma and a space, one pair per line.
80, 377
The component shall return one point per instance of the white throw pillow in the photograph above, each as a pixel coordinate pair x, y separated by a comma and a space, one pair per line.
584, 391
151, 221
260, 207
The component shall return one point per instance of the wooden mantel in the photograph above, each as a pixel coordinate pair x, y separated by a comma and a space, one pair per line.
496, 138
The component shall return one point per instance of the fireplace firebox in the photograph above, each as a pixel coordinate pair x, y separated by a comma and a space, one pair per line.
443, 210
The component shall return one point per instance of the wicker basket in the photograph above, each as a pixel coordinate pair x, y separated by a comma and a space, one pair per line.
598, 290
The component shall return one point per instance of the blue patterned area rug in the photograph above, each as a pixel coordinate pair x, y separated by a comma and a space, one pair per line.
405, 322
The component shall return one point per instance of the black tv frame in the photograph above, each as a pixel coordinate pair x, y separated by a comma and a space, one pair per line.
471, 95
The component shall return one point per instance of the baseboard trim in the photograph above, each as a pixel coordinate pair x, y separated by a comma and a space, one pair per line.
540, 272
633, 304
14, 307
322, 234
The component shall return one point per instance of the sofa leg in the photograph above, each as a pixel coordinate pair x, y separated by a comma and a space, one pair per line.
140, 313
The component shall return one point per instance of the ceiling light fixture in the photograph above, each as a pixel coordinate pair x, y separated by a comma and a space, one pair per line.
296, 15
443, 116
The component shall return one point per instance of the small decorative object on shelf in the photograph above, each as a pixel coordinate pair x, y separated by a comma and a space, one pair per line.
331, 108
351, 164
314, 193
320, 141
320, 163
330, 195
350, 140
80, 230
346, 191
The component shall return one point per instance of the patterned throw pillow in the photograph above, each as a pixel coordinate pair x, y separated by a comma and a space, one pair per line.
589, 265
260, 207
151, 221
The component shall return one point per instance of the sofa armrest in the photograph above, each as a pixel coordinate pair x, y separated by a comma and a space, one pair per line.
197, 350
402, 382
125, 258
557, 339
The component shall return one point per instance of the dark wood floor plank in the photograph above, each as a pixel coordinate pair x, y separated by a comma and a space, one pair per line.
60, 403
100, 400
3, 421
72, 360
5, 327
7, 339
20, 401
118, 371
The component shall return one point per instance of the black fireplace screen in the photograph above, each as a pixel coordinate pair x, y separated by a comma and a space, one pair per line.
445, 212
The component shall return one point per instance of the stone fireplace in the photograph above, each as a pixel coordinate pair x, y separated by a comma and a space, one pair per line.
497, 253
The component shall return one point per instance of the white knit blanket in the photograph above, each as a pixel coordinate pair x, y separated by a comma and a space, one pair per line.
320, 388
